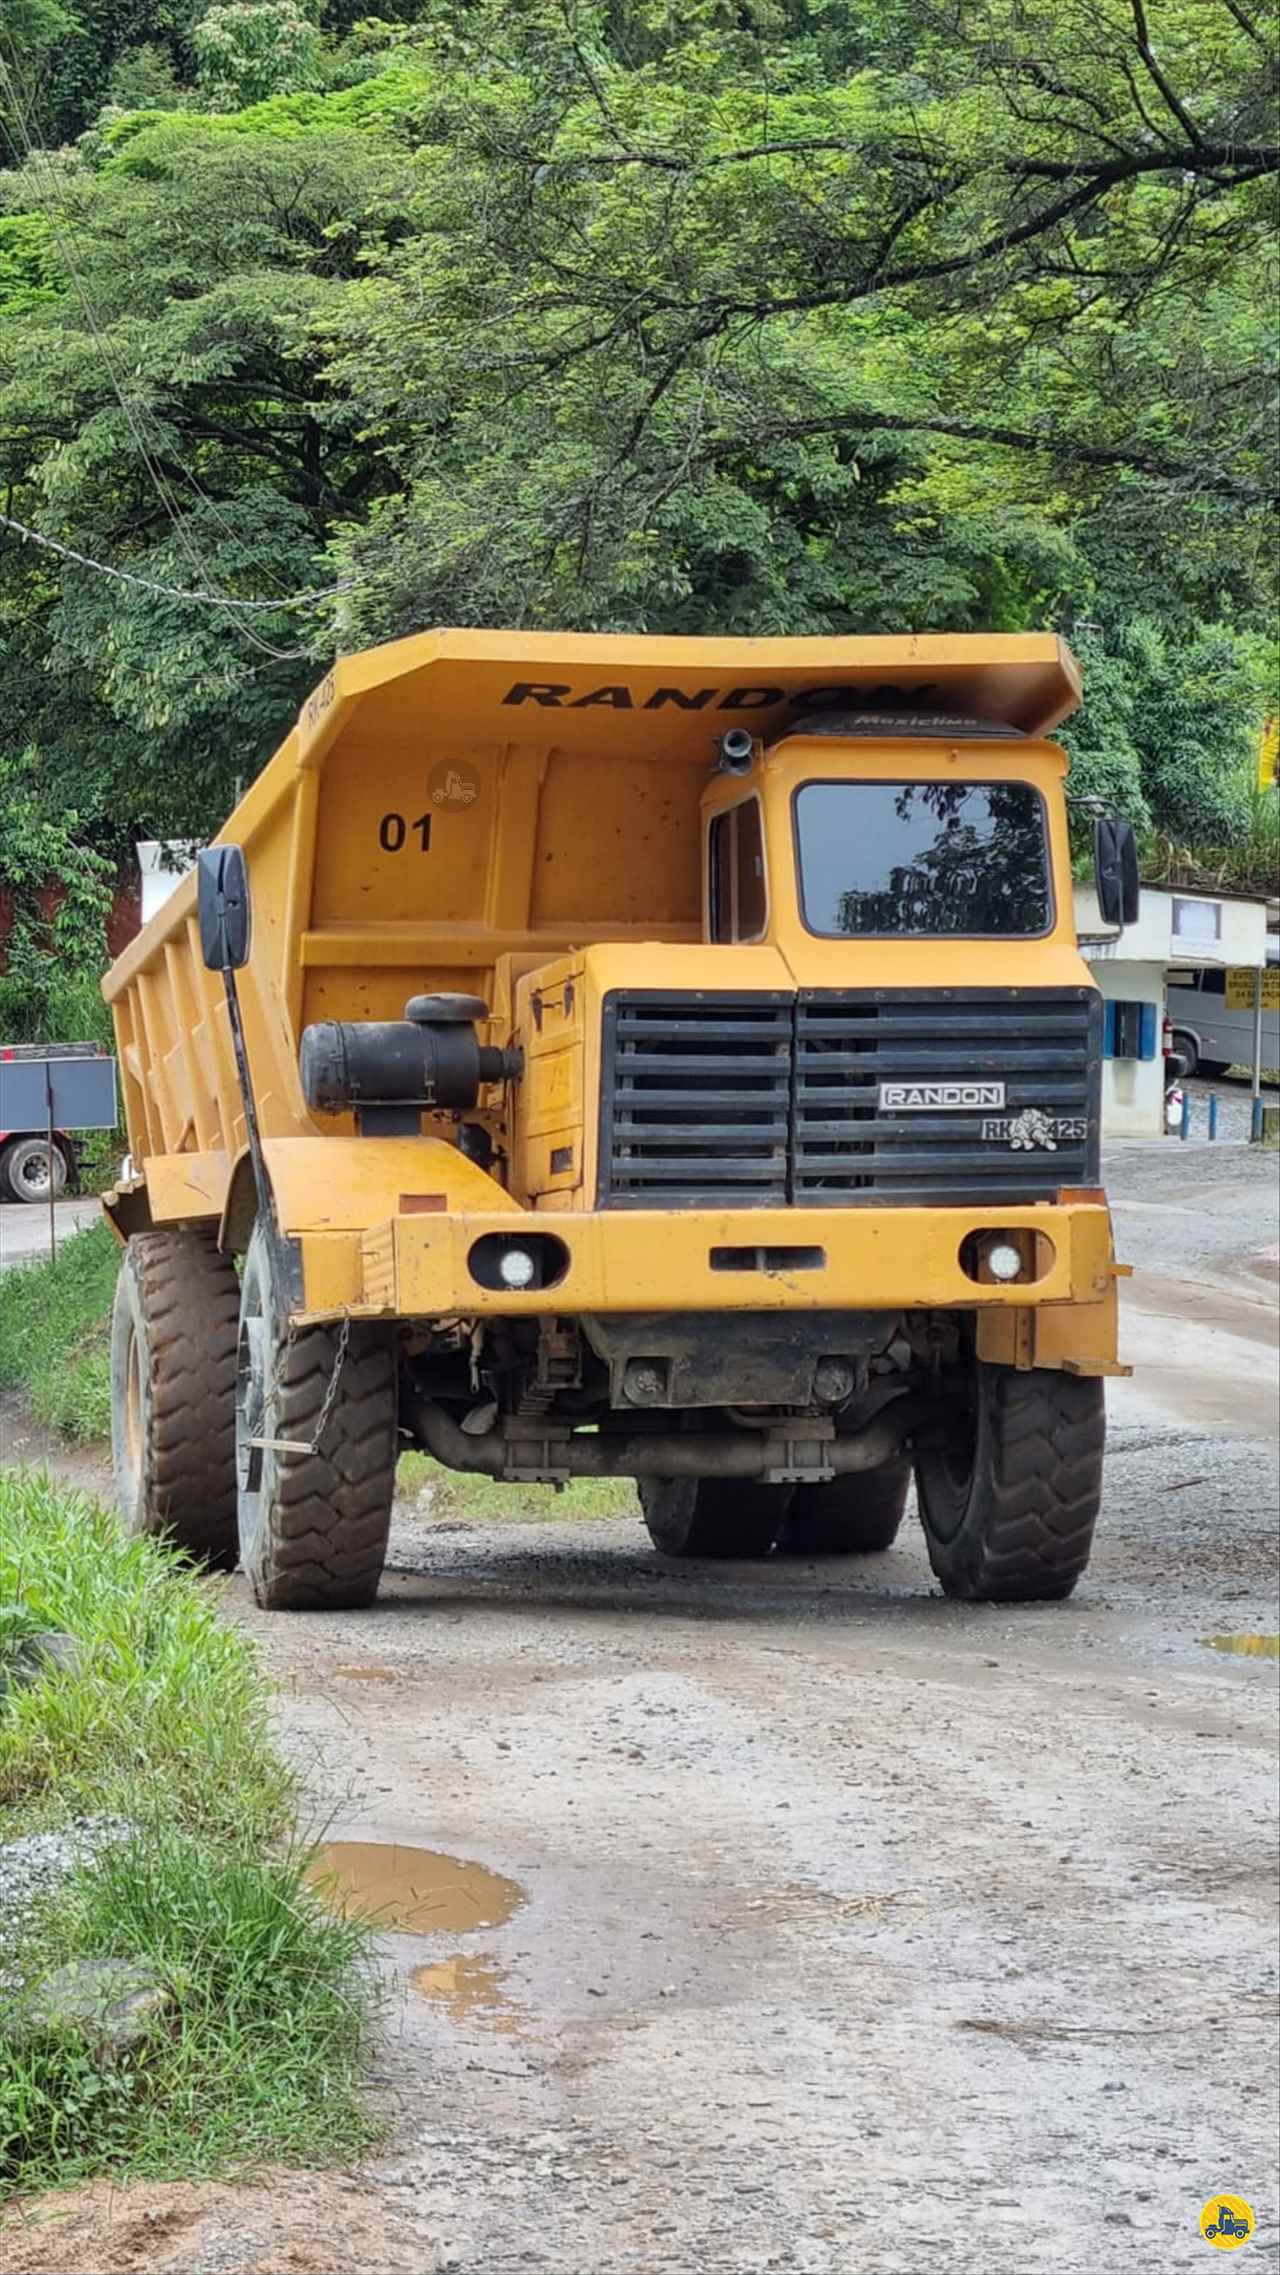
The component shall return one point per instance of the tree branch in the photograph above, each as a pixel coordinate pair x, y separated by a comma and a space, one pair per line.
1138, 460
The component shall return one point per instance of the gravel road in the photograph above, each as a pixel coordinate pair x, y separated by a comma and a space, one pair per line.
853, 1929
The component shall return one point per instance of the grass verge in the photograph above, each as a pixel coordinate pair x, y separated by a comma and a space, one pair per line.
55, 1333
442, 1494
163, 1723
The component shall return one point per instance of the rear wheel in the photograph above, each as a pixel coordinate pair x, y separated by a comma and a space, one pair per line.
1009, 1503
173, 1372
713, 1516
852, 1516
27, 1166
313, 1523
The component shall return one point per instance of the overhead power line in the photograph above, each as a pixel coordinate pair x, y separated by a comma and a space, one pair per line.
166, 592
232, 609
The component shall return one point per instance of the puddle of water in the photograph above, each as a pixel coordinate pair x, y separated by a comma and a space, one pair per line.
419, 1891
469, 1990
1246, 1646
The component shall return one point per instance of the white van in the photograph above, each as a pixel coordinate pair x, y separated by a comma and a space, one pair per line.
1211, 1032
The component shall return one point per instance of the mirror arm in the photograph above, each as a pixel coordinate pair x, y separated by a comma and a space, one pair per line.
284, 1253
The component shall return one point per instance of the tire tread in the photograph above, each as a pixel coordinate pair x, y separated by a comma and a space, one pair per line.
1028, 1530
189, 1299
329, 1525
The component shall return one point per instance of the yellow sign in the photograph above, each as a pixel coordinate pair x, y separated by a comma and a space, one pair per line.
1226, 2222
1269, 756
1240, 981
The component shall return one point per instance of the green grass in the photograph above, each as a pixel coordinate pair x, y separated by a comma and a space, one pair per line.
165, 1722
55, 1330
261, 2054
458, 1494
168, 1699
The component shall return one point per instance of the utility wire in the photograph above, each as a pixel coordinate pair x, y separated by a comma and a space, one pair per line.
38, 157
167, 592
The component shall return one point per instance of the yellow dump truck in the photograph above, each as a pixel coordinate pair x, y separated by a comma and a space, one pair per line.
660, 1058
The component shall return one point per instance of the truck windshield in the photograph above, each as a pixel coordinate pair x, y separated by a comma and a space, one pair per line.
894, 858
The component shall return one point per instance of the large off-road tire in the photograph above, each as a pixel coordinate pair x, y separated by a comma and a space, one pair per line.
313, 1526
173, 1380
851, 1516
1009, 1504
712, 1516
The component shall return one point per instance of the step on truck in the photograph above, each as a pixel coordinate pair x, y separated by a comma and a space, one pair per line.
598, 1056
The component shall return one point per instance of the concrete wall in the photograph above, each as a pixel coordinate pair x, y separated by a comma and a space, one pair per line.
1133, 1089
162, 868
1178, 928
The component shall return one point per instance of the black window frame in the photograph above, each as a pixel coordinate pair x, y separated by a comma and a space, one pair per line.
910, 782
727, 813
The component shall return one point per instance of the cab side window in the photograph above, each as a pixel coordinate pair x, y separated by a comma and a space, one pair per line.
736, 881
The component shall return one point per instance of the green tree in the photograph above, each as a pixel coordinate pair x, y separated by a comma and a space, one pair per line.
785, 318
248, 50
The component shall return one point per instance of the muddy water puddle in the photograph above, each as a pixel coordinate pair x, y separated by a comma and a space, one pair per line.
470, 1991
417, 1891
1246, 1646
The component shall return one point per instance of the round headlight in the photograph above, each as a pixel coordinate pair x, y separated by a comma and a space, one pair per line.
516, 1268
1003, 1260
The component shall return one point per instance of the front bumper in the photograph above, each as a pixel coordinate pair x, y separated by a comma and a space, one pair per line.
893, 1259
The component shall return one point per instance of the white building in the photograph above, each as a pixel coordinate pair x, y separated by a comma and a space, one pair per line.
1176, 930
162, 866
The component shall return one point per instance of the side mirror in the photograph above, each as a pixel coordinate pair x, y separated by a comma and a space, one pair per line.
222, 901
1115, 867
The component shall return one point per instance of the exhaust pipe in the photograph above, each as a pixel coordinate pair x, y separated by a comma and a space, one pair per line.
745, 1454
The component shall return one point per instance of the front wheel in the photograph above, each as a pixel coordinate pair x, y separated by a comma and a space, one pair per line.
1184, 1058
1009, 1502
713, 1516
316, 1447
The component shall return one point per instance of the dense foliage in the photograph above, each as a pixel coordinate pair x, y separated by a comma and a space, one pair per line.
776, 316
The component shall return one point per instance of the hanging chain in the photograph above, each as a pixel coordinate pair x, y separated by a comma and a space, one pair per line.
277, 1387
326, 1406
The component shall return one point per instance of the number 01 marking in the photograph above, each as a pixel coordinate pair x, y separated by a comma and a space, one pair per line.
393, 832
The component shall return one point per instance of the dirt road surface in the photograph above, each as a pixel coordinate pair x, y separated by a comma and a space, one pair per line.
850, 1929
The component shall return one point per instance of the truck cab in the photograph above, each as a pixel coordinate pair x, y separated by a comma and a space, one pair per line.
670, 1059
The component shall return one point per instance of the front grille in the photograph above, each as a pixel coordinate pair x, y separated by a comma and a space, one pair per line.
696, 1099
1043, 1046
771, 1099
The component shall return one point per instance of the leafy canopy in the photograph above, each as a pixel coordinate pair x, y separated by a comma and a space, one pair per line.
792, 316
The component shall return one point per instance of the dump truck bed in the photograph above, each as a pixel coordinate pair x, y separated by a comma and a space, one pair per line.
452, 810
